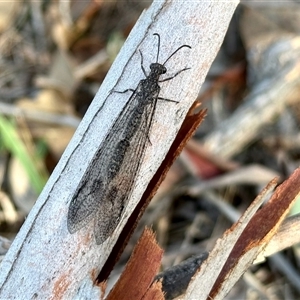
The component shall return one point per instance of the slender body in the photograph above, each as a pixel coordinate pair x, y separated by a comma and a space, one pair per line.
105, 188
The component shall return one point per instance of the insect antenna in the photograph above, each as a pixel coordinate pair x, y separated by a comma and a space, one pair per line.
158, 36
183, 46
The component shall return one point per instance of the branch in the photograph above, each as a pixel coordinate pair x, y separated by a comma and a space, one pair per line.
45, 260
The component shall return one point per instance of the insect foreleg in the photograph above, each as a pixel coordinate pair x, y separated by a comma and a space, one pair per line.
142, 64
169, 78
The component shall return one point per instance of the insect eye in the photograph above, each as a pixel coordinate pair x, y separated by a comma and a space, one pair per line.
164, 70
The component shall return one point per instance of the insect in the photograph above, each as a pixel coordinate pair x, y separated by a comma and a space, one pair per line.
105, 188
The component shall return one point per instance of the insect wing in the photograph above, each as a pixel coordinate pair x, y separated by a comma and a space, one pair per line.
110, 213
92, 190
82, 208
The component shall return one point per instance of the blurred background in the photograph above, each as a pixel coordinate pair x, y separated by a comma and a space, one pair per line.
54, 56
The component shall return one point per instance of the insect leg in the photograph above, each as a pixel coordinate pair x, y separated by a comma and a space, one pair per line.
144, 71
142, 66
169, 100
169, 78
123, 92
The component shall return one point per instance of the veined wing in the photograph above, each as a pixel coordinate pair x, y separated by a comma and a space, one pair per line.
112, 206
95, 183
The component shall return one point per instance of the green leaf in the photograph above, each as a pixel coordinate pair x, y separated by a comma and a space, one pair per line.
33, 164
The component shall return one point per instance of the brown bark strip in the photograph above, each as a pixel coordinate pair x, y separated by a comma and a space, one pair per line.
140, 270
154, 292
260, 229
